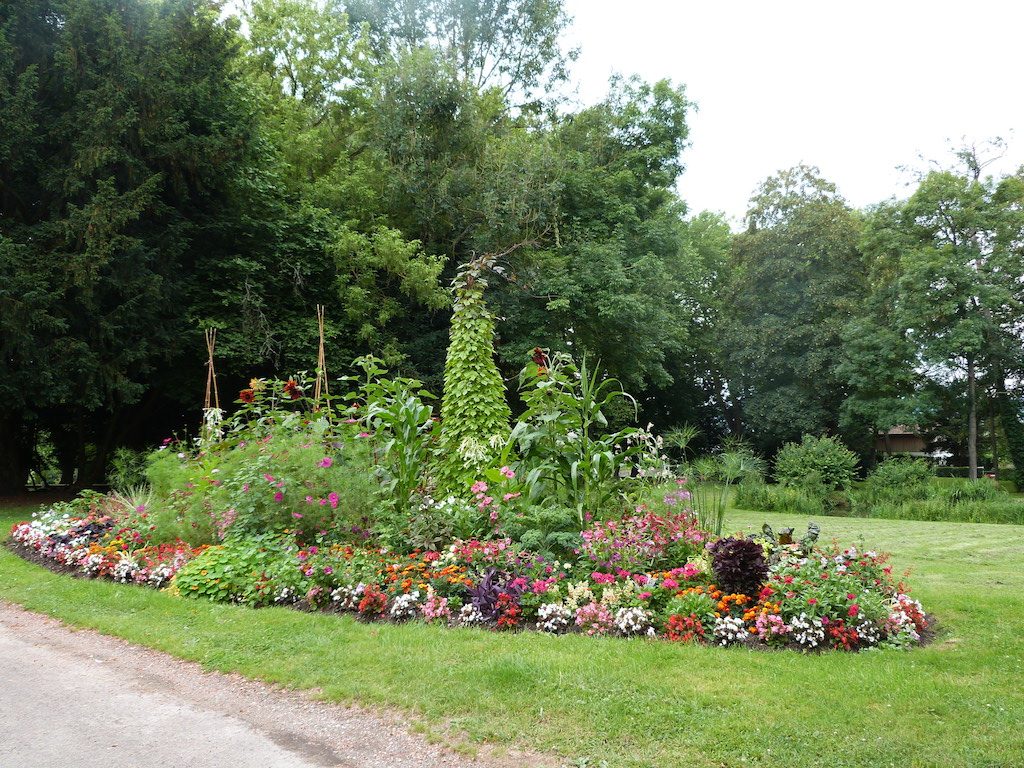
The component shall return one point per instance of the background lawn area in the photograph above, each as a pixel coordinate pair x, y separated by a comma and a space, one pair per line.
639, 703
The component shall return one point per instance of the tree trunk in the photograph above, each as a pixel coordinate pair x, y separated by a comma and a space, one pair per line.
972, 420
993, 428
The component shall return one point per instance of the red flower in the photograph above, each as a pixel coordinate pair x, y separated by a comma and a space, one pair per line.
539, 358
247, 396
292, 389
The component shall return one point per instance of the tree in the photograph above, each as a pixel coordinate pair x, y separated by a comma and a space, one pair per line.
510, 46
127, 121
960, 297
797, 279
879, 361
611, 279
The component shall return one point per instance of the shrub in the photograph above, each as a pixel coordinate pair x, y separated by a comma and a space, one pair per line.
738, 564
899, 476
816, 462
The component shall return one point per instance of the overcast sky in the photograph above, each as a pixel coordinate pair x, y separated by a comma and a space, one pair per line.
854, 88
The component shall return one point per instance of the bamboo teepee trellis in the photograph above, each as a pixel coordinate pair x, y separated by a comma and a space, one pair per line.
212, 413
321, 364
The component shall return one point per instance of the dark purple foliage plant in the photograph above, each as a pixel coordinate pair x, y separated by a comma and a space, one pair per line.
739, 565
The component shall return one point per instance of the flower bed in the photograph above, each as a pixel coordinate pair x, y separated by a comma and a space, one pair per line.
753, 592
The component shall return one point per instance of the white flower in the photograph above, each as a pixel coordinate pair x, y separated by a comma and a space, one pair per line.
633, 621
553, 618
729, 630
405, 607
469, 615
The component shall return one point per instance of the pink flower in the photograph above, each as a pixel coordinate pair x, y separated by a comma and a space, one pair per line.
278, 496
268, 477
670, 584
479, 487
812, 601
332, 497
328, 570
854, 610
245, 488
364, 434
309, 499
326, 462
297, 515
602, 578
690, 571
850, 596
310, 571
510, 496
507, 472
322, 502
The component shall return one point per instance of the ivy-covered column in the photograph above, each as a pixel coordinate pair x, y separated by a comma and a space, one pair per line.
474, 413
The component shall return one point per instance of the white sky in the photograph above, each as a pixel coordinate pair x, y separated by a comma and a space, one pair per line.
854, 88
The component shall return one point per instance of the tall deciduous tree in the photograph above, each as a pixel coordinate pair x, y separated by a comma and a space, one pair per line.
510, 46
797, 280
961, 299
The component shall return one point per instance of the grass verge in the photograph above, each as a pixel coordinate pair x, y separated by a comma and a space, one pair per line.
638, 703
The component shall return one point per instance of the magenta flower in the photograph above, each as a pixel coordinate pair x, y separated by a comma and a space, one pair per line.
245, 488
278, 496
332, 497
297, 515
268, 477
326, 462
479, 487
507, 472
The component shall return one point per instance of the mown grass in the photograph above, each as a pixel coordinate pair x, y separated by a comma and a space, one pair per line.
639, 703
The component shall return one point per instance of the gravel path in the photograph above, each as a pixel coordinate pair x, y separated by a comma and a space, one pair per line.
75, 697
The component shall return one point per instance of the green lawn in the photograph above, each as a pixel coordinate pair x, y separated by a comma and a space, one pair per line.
958, 702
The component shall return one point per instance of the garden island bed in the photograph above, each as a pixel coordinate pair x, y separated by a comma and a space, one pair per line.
559, 522
757, 592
